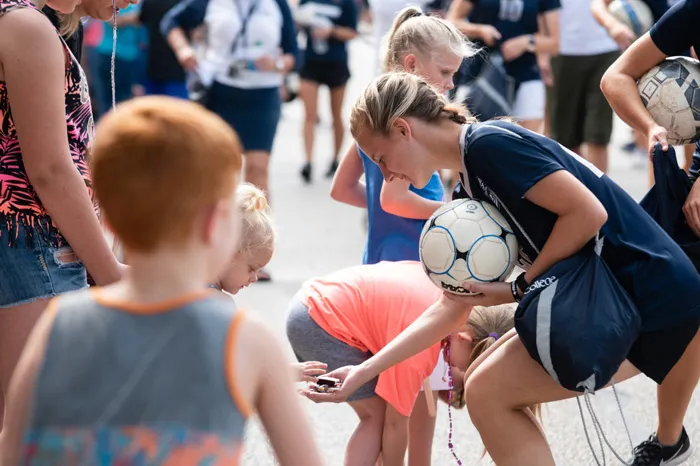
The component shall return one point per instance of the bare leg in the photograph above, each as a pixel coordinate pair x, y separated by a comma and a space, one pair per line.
421, 429
337, 97
674, 394
308, 91
16, 323
256, 170
688, 150
598, 155
365, 444
497, 392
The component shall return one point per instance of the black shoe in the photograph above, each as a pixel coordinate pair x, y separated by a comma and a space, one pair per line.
332, 169
306, 173
652, 453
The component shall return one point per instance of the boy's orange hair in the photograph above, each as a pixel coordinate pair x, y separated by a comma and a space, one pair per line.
158, 164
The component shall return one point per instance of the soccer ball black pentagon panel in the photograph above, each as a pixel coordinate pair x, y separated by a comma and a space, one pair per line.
467, 240
671, 93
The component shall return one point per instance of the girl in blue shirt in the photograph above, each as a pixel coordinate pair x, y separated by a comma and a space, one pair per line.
559, 202
432, 48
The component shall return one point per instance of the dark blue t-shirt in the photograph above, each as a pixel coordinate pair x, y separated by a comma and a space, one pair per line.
503, 161
341, 13
673, 34
513, 18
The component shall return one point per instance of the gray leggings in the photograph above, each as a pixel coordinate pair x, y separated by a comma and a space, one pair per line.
311, 343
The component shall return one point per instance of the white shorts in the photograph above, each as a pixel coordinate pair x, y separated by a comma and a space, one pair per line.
529, 101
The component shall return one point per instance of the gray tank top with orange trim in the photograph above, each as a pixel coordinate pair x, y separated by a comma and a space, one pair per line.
120, 387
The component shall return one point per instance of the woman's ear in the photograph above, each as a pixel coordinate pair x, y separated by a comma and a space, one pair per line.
409, 63
403, 129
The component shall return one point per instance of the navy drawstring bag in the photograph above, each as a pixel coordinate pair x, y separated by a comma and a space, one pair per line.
665, 200
578, 322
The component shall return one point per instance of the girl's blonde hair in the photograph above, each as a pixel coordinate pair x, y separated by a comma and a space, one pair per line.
401, 95
257, 229
69, 23
414, 32
486, 325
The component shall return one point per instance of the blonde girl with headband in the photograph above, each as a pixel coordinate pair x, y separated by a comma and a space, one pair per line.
433, 49
256, 246
50, 234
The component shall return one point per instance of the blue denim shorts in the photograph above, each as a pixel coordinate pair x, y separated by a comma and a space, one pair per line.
32, 269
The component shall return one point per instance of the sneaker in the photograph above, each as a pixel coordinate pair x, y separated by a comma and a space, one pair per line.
306, 173
652, 453
332, 169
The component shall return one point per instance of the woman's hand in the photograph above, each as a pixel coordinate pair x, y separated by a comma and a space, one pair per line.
351, 378
486, 294
657, 135
622, 35
265, 63
321, 33
545, 64
691, 209
187, 58
489, 34
515, 47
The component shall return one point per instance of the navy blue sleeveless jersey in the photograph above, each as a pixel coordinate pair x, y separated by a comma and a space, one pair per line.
502, 161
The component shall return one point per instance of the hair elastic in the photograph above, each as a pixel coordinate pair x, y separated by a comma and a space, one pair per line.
494, 335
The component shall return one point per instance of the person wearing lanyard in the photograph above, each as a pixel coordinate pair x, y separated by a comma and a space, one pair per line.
246, 78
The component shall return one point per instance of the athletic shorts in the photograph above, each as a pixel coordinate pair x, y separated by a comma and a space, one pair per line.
311, 343
655, 352
579, 112
327, 73
529, 101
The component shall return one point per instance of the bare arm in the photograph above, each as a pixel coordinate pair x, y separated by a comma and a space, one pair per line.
397, 199
622, 35
456, 14
343, 33
264, 378
438, 321
394, 437
34, 64
346, 186
19, 397
619, 84
580, 217
547, 39
177, 39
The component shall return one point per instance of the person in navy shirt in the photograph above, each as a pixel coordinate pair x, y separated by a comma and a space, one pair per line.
672, 35
328, 26
557, 203
621, 33
513, 26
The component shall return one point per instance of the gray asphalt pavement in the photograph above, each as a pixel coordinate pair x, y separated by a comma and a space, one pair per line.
318, 235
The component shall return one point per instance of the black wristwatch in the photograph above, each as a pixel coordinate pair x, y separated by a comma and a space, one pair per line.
521, 283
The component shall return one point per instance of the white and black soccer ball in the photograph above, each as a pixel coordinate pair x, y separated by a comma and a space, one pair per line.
467, 241
671, 93
635, 14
